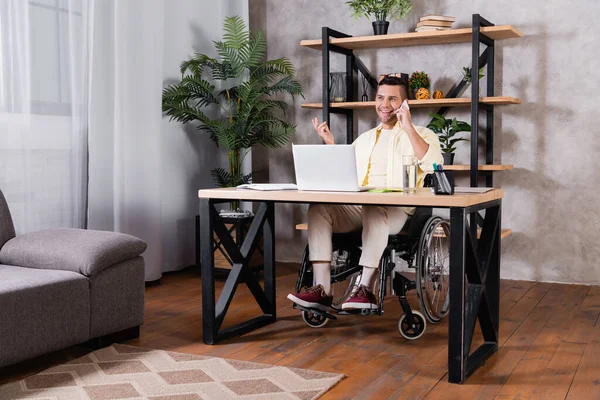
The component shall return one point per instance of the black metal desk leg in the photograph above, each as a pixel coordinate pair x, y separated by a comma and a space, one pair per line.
474, 289
213, 313
456, 328
207, 271
269, 257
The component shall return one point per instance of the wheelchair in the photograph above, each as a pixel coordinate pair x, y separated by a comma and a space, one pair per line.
423, 243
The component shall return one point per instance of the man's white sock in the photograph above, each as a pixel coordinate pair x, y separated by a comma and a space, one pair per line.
322, 275
369, 276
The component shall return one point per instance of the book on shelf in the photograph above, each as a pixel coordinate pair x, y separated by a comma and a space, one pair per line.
445, 24
430, 28
434, 17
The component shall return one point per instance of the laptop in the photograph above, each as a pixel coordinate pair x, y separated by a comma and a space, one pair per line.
322, 167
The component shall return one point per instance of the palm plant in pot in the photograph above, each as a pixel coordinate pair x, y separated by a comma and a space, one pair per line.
447, 129
244, 97
383, 11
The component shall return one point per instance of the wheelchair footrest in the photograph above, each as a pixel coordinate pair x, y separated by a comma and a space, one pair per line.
364, 311
315, 311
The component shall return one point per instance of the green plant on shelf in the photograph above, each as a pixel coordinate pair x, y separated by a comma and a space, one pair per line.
446, 129
418, 79
467, 74
381, 10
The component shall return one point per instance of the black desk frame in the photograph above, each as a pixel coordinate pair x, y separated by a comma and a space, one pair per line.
474, 280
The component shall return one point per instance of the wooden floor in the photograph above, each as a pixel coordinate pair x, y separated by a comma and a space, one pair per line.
549, 343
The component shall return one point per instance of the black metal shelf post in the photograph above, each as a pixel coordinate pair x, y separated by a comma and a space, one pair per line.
480, 61
477, 62
326, 48
353, 64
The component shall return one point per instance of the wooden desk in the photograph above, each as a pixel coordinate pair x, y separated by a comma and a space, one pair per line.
477, 260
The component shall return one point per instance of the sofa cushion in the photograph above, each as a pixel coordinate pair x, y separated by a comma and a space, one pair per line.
7, 229
41, 311
84, 251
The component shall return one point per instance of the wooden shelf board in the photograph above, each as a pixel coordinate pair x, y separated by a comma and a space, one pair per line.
483, 167
504, 232
461, 35
455, 102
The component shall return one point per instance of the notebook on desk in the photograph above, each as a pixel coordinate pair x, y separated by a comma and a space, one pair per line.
268, 186
466, 189
326, 168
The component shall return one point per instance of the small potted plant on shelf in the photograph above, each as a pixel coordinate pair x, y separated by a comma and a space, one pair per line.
381, 10
418, 83
466, 71
446, 129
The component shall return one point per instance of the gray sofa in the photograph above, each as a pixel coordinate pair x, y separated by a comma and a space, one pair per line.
62, 287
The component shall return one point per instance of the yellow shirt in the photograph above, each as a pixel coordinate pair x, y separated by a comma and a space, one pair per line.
397, 144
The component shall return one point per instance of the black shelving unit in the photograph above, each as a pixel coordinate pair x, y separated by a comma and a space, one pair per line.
486, 59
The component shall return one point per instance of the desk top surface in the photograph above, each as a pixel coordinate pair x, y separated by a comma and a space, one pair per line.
423, 197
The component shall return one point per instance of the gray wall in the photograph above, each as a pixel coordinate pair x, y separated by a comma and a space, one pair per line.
552, 138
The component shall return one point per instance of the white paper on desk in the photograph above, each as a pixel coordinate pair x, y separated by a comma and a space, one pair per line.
268, 186
467, 189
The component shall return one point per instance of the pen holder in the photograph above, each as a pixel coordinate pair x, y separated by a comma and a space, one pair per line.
443, 182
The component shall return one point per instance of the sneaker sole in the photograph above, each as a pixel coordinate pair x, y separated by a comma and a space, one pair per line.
358, 306
307, 304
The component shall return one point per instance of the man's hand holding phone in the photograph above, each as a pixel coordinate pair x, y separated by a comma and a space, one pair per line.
323, 131
403, 115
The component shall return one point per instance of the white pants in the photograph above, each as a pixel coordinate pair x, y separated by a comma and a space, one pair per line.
377, 223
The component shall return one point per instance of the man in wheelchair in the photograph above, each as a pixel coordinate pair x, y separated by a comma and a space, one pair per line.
379, 154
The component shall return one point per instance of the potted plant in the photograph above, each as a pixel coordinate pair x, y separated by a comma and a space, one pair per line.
383, 11
247, 83
416, 81
446, 129
467, 74
466, 71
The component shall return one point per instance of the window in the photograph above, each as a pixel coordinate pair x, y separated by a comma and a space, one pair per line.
54, 44
52, 50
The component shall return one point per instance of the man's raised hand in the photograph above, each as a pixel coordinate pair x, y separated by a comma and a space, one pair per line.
403, 115
323, 131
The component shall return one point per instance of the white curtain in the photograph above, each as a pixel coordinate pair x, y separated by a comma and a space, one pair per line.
43, 111
125, 120
75, 73
125, 123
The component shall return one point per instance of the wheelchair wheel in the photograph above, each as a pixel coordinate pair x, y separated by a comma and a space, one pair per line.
414, 331
314, 320
433, 266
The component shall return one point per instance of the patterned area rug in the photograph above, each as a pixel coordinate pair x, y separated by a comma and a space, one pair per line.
128, 372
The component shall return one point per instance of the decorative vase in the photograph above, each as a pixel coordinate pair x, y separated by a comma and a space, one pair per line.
337, 87
380, 27
448, 158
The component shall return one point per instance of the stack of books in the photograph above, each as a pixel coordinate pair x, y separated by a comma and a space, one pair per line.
434, 23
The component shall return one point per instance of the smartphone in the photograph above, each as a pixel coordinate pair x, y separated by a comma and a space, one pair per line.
405, 105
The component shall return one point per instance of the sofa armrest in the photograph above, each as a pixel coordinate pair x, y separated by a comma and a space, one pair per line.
79, 250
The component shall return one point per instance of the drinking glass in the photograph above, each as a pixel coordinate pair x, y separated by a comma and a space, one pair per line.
409, 179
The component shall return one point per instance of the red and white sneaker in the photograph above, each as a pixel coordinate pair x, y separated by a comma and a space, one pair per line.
313, 297
362, 299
